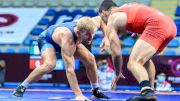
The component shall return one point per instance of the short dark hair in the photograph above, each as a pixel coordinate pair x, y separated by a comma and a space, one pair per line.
106, 5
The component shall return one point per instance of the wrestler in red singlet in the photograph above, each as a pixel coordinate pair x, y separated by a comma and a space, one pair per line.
156, 31
156, 28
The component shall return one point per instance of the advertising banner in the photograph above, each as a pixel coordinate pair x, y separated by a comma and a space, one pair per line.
17, 23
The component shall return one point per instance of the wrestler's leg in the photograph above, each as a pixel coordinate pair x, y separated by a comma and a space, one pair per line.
141, 53
49, 62
149, 65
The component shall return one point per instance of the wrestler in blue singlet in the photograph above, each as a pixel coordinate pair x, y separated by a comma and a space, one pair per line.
45, 38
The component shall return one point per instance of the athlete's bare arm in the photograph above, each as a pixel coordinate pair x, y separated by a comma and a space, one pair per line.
68, 48
103, 27
116, 22
97, 21
100, 24
112, 31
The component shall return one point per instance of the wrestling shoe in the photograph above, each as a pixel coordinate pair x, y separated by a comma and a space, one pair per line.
147, 95
19, 91
98, 94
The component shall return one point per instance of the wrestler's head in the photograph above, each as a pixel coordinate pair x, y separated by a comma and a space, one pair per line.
85, 29
105, 9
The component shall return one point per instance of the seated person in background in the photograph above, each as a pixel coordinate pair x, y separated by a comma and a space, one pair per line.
105, 74
162, 84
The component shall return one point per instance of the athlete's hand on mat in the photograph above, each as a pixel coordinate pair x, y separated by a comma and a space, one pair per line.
115, 80
82, 98
105, 45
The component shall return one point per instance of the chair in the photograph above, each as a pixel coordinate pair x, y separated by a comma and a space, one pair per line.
50, 12
177, 22
23, 50
44, 21
76, 12
36, 31
95, 51
10, 50
128, 42
28, 40
178, 33
170, 52
97, 42
125, 51
98, 34
64, 12
174, 43
177, 13
90, 12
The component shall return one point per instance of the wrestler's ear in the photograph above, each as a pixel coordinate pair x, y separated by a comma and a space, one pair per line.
78, 33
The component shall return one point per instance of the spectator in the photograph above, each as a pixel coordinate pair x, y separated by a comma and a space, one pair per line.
162, 84
105, 74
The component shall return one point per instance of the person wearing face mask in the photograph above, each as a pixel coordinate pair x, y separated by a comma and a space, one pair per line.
105, 74
67, 39
162, 84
